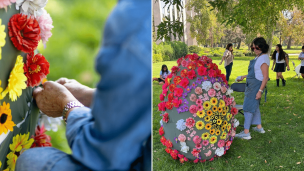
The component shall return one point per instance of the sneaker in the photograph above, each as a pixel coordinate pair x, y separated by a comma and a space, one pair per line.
261, 130
243, 135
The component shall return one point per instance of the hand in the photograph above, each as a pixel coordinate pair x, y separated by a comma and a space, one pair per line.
52, 98
258, 95
288, 68
220, 63
242, 78
272, 68
81, 92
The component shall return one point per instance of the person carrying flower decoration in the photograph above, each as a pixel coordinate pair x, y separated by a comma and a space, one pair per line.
115, 132
256, 81
301, 57
163, 75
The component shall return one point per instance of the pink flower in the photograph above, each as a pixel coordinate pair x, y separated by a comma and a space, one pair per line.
181, 138
211, 159
178, 92
196, 160
184, 83
228, 143
199, 101
195, 152
197, 139
233, 104
193, 109
190, 122
184, 63
166, 117
161, 97
223, 89
193, 98
198, 146
217, 86
199, 107
205, 142
198, 90
162, 106
208, 153
5, 3
221, 143
165, 92
176, 102
165, 86
46, 24
211, 92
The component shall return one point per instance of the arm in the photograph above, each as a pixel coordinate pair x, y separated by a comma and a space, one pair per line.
273, 64
265, 73
224, 57
161, 77
242, 78
287, 62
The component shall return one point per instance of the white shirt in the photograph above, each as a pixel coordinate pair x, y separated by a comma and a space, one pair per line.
302, 56
257, 67
277, 59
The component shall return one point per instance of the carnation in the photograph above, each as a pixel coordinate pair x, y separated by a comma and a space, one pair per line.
181, 138
190, 122
220, 151
198, 90
193, 98
211, 92
181, 125
193, 109
197, 139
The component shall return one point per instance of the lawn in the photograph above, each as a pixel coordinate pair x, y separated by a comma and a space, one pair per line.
281, 147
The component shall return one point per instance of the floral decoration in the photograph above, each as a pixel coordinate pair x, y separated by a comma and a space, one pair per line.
2, 35
6, 122
40, 138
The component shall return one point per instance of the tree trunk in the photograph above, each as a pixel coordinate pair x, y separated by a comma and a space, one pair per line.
239, 45
289, 43
270, 41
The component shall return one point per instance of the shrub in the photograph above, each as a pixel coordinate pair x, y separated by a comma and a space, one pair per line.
194, 49
157, 58
166, 58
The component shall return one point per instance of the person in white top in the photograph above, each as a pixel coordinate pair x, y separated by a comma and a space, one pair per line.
162, 75
301, 57
256, 81
279, 58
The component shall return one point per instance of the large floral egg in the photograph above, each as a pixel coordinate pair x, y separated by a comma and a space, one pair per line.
197, 111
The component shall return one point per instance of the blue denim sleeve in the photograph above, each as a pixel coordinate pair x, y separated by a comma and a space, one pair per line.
110, 135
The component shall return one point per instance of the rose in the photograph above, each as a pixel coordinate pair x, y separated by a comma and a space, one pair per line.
179, 61
168, 150
217, 86
202, 71
184, 82
184, 63
193, 98
211, 73
234, 111
198, 90
181, 138
223, 89
170, 97
174, 154
175, 69
197, 139
168, 144
193, 109
177, 80
195, 152
211, 92
221, 143
178, 92
184, 73
162, 106
169, 105
191, 74
190, 122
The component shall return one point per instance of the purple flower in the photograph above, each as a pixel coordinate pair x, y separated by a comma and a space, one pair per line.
179, 109
185, 108
212, 80
175, 138
188, 89
184, 95
198, 81
185, 101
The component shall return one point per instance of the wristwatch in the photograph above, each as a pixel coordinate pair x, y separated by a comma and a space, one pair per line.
68, 106
261, 90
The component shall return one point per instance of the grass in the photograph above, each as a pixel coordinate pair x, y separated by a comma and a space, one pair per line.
281, 147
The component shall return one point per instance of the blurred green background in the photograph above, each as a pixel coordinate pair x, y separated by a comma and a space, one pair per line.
71, 51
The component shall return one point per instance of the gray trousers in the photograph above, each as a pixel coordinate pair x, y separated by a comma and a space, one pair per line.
252, 118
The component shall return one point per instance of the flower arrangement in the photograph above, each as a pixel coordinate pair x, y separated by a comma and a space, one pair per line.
197, 99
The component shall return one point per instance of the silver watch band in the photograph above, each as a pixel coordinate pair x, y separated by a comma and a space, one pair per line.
68, 106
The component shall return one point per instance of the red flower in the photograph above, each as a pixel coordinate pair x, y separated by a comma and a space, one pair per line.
181, 160
168, 150
172, 87
196, 161
174, 154
203, 161
163, 140
161, 97
177, 80
165, 86
168, 79
215, 66
185, 158
190, 122
161, 130
24, 32
195, 152
191, 66
40, 138
175, 69
178, 92
162, 106
177, 102
200, 63
234, 111
211, 73
166, 117
170, 97
184, 83
223, 76
179, 61
168, 144
218, 72
194, 57
165, 92
180, 156
211, 159
191, 74
184, 73
202, 71
188, 56
169, 105
36, 69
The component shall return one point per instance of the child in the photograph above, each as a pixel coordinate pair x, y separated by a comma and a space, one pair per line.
280, 58
301, 57
163, 75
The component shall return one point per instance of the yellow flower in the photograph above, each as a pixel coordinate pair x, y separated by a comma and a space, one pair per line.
199, 125
1, 89
207, 118
219, 122
209, 113
16, 81
2, 37
11, 160
21, 143
213, 101
205, 136
217, 132
207, 105
224, 113
208, 126
213, 139
226, 108
212, 131
220, 110
200, 114
223, 136
229, 116
223, 128
214, 109
222, 103
225, 123
228, 127
6, 122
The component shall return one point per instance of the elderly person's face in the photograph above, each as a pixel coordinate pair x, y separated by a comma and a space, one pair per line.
257, 50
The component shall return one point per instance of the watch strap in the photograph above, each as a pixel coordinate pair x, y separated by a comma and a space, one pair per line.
68, 106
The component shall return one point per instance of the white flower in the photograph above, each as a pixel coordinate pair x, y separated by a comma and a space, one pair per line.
185, 149
219, 151
229, 92
236, 123
181, 125
217, 86
31, 7
161, 122
206, 85
50, 123
183, 144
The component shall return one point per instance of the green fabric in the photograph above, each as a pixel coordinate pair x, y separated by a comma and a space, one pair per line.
24, 103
